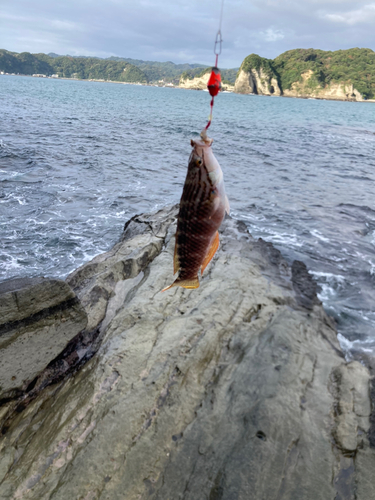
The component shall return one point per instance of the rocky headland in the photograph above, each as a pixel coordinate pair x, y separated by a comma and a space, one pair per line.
346, 75
111, 389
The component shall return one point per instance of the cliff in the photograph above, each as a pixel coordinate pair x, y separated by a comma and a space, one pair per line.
256, 76
236, 390
344, 75
339, 91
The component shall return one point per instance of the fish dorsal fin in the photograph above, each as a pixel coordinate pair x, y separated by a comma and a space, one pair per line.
211, 251
176, 262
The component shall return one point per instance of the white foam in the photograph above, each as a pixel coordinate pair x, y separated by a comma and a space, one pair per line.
282, 238
328, 276
372, 268
326, 293
39, 222
248, 217
319, 235
8, 175
347, 345
10, 264
287, 239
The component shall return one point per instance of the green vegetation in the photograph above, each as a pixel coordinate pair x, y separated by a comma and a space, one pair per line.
253, 61
70, 67
117, 69
167, 71
352, 66
257, 62
97, 69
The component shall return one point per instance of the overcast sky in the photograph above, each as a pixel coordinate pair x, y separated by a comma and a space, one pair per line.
184, 31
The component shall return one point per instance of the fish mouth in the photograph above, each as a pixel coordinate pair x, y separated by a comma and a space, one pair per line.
201, 143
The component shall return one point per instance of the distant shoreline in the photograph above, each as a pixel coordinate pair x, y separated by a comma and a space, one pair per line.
171, 86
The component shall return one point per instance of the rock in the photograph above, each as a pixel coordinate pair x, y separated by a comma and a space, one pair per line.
237, 390
38, 317
256, 81
200, 83
341, 91
95, 282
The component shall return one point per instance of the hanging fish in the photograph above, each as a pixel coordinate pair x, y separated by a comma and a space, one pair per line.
202, 209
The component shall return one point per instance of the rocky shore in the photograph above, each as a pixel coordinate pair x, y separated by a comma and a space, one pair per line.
237, 390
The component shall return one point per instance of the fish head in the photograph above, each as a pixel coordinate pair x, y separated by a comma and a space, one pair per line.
201, 147
196, 161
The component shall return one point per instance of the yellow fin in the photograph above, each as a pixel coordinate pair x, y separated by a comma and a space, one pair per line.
176, 262
211, 252
190, 284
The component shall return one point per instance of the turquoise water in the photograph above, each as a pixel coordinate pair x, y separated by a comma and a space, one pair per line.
77, 159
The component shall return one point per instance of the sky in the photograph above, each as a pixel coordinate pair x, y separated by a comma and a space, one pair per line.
184, 31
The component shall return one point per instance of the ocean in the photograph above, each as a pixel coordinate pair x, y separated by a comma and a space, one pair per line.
78, 159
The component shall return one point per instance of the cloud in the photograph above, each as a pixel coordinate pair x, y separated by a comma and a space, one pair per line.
184, 30
272, 35
366, 14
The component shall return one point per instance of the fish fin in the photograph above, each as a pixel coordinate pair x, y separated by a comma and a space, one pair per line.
176, 262
211, 252
227, 207
189, 283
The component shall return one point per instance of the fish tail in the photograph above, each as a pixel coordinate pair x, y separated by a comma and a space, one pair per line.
185, 283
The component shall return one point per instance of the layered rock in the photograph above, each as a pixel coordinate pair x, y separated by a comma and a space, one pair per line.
256, 81
38, 317
236, 390
333, 91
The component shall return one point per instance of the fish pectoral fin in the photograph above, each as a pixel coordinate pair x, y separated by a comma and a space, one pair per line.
211, 252
189, 283
176, 262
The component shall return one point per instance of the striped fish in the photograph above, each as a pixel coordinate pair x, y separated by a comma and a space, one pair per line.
202, 209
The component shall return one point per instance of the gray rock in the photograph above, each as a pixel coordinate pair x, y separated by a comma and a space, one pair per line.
95, 282
237, 390
38, 317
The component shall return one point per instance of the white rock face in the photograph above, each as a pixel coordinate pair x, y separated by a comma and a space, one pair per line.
200, 83
335, 91
256, 82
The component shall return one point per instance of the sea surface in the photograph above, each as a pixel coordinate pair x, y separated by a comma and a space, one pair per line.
78, 159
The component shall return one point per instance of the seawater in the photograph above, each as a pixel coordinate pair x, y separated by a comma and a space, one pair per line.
77, 159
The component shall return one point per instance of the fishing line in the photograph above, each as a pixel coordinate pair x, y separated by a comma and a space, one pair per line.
214, 82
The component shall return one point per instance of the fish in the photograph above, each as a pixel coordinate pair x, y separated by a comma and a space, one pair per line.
202, 209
